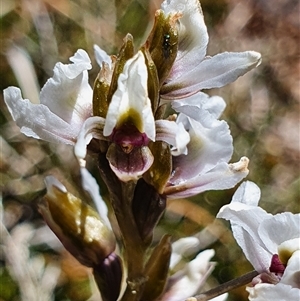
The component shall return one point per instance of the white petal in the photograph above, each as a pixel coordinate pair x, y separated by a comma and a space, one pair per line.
223, 176
278, 292
132, 95
183, 247
215, 105
280, 228
102, 56
191, 278
210, 144
257, 232
174, 134
50, 182
291, 274
248, 193
287, 248
252, 247
36, 120
193, 37
213, 72
90, 185
245, 220
92, 128
68, 93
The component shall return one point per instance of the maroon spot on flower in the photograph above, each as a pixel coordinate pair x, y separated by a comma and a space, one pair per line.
276, 265
128, 136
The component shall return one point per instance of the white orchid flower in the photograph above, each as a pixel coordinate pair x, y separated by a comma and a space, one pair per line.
65, 103
188, 280
192, 70
205, 167
129, 125
270, 242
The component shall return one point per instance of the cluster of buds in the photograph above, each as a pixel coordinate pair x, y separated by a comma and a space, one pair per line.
145, 153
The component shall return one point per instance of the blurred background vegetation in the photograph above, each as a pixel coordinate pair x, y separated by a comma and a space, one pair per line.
262, 111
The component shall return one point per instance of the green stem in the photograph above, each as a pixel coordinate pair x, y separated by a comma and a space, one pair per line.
225, 287
134, 247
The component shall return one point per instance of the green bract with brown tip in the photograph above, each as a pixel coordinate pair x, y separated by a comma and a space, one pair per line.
100, 92
153, 82
163, 43
126, 52
78, 227
159, 172
157, 269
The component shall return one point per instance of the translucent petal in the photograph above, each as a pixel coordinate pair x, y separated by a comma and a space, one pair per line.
208, 146
245, 220
248, 193
278, 292
68, 93
215, 105
102, 56
131, 99
36, 120
213, 72
223, 176
174, 134
92, 128
252, 247
280, 228
187, 281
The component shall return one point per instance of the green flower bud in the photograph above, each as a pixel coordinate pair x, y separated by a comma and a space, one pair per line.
159, 172
163, 43
76, 224
157, 269
100, 92
147, 207
126, 52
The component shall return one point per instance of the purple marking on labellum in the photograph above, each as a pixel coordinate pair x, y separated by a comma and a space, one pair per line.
276, 265
128, 137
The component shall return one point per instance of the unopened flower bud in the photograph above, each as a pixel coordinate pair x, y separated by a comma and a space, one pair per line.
147, 206
76, 224
108, 276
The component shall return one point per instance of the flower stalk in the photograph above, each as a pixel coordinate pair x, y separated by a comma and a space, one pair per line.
135, 244
144, 155
225, 287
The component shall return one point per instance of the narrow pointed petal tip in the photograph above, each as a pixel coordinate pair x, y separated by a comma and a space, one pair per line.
101, 56
51, 182
256, 57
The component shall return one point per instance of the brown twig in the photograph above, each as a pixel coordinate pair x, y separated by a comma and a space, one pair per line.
225, 287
